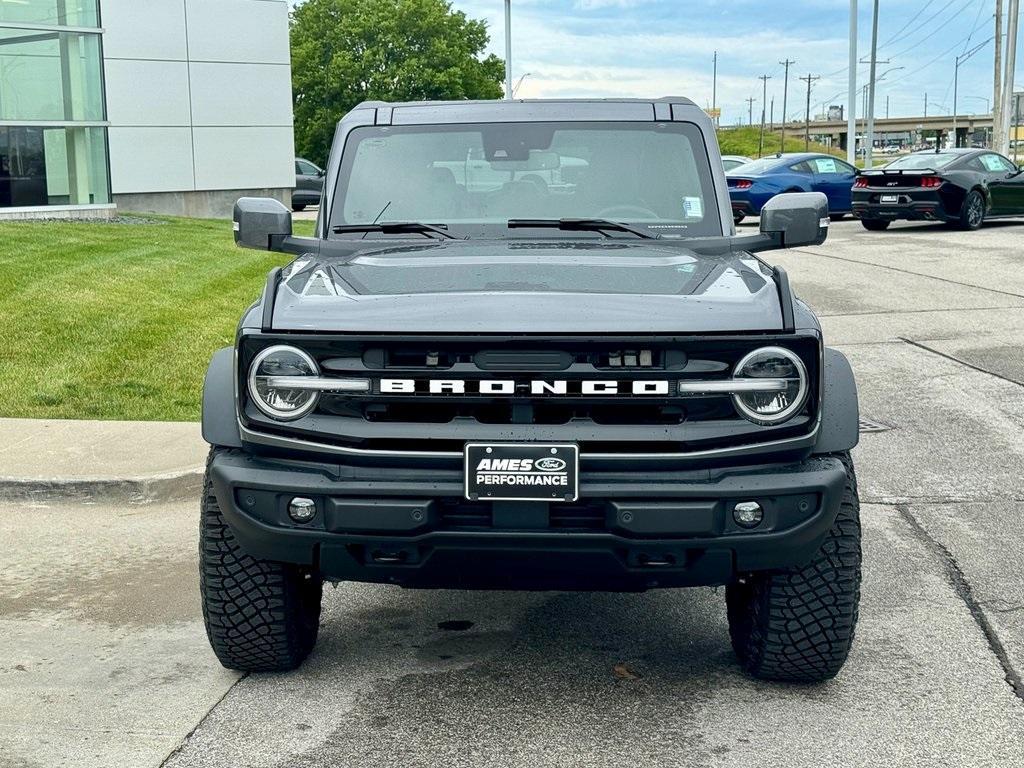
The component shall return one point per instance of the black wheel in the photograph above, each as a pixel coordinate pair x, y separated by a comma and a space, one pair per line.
875, 225
737, 218
298, 207
797, 625
260, 616
837, 216
972, 214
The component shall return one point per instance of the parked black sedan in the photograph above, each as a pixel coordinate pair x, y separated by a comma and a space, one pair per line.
964, 187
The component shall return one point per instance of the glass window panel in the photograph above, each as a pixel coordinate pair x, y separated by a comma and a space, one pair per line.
49, 75
66, 13
53, 166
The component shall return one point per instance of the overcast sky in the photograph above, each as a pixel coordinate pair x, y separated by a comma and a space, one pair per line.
665, 47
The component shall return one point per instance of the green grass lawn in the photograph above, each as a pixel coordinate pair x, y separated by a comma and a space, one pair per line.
117, 320
744, 140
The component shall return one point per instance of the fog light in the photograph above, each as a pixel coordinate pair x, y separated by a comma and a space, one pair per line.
301, 509
748, 514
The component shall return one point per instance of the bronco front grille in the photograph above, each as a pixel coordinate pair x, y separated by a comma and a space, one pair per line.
563, 409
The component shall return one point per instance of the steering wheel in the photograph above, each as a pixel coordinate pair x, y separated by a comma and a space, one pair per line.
626, 212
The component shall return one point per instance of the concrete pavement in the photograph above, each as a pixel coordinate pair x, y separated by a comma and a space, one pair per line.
141, 461
103, 660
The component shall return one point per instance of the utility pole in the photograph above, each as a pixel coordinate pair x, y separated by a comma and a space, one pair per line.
926, 103
810, 79
997, 97
785, 95
508, 49
764, 105
750, 110
851, 96
771, 117
869, 138
887, 106
1009, 70
714, 86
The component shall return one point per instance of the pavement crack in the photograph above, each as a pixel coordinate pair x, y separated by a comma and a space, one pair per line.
166, 761
963, 589
964, 363
862, 263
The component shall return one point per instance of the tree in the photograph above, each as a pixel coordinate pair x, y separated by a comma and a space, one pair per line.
348, 51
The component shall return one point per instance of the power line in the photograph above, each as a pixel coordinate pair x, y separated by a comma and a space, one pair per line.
910, 21
934, 32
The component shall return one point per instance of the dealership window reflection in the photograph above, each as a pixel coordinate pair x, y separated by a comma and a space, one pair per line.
53, 143
52, 166
70, 13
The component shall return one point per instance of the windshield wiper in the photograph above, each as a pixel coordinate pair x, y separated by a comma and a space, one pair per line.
581, 225
395, 227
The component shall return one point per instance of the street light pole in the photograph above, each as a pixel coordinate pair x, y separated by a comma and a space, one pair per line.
851, 99
785, 94
869, 138
997, 102
714, 87
1013, 15
764, 99
508, 49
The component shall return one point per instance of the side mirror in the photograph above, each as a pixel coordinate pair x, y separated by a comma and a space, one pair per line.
261, 223
796, 218
321, 173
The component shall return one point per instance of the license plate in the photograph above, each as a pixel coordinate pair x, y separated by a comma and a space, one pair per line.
522, 472
892, 199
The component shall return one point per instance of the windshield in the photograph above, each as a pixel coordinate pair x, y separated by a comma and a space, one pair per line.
474, 178
757, 166
924, 160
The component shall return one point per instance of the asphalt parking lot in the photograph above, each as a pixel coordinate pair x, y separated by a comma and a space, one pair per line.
103, 659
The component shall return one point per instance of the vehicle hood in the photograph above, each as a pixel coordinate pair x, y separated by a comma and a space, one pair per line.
517, 286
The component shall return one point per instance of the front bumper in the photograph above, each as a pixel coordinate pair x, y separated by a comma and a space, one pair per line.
629, 531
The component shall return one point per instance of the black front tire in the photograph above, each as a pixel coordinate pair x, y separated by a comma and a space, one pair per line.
797, 625
260, 616
972, 214
875, 225
298, 207
737, 218
837, 216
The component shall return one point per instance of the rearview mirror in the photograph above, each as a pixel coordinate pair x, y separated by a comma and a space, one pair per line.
260, 222
796, 218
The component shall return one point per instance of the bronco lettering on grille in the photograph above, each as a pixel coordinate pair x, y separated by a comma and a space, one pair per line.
538, 387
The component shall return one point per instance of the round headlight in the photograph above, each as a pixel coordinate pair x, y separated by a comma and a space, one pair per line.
785, 390
270, 394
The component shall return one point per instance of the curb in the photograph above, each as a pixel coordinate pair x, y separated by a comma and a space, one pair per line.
176, 486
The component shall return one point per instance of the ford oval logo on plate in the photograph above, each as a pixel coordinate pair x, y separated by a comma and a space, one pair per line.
550, 465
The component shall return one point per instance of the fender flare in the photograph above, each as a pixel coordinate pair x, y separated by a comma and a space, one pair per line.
220, 424
840, 415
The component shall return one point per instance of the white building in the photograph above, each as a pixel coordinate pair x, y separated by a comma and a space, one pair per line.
172, 106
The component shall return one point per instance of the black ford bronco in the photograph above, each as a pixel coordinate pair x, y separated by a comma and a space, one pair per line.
525, 349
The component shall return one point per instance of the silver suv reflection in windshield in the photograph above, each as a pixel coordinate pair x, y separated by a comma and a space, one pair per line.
481, 175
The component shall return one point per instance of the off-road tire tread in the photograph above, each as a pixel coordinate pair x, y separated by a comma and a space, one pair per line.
260, 616
797, 625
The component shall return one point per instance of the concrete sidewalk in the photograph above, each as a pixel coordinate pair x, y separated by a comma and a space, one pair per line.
127, 460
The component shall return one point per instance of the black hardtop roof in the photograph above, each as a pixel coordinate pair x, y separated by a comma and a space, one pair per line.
494, 102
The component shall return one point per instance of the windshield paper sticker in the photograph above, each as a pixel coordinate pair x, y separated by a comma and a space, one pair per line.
693, 208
